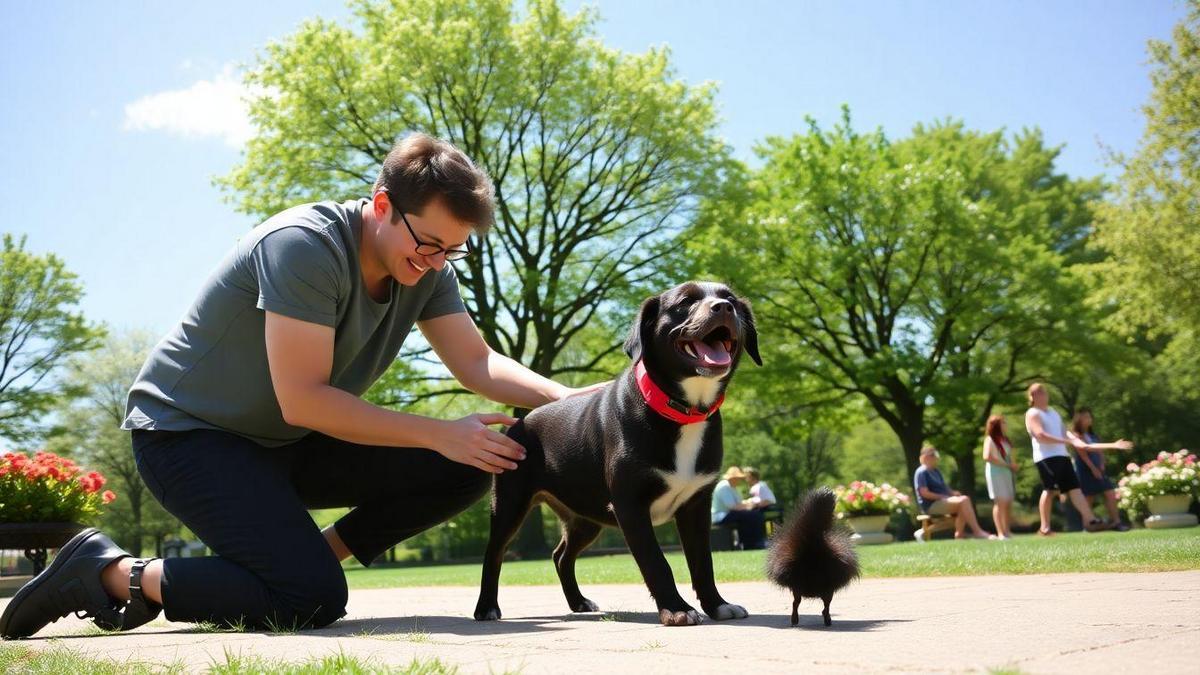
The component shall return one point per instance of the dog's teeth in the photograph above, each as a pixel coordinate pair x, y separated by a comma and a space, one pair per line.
692, 350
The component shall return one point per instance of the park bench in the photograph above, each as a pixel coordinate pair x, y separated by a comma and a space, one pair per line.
724, 537
933, 524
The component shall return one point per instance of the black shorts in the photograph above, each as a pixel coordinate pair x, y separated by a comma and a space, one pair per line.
1058, 474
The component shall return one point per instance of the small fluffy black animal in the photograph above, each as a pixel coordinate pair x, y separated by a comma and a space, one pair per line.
809, 556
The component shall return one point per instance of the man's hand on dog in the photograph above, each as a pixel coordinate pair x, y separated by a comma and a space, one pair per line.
470, 441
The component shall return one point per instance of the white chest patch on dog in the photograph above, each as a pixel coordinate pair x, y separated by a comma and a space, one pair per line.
683, 482
701, 391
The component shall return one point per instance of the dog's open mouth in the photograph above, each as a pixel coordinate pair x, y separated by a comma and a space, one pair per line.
713, 350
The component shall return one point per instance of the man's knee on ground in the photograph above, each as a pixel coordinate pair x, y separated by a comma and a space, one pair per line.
319, 602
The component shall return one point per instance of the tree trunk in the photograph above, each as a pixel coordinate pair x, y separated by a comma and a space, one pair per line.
965, 458
135, 509
912, 438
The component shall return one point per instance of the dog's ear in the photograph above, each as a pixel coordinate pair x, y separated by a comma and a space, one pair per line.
640, 333
750, 332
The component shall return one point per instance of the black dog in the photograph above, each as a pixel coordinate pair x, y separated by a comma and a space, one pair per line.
638, 452
810, 557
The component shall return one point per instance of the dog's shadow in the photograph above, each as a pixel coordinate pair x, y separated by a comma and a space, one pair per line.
465, 626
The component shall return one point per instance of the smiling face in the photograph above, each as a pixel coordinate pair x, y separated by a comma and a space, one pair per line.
697, 329
390, 249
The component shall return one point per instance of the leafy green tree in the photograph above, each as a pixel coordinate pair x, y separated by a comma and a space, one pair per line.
39, 329
598, 156
1150, 231
920, 277
88, 428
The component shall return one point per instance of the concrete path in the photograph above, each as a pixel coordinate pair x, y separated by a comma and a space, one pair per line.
1097, 623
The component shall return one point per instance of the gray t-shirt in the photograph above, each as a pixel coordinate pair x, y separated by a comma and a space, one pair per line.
210, 371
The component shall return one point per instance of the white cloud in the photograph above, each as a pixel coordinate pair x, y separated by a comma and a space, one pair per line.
213, 108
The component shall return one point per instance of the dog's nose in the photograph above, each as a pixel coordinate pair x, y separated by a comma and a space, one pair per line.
721, 307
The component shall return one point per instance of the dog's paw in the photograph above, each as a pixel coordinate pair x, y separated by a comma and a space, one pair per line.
726, 611
487, 613
584, 605
689, 617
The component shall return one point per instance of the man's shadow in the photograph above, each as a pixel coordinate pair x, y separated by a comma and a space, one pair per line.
416, 628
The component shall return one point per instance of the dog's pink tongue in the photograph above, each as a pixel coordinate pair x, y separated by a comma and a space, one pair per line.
712, 355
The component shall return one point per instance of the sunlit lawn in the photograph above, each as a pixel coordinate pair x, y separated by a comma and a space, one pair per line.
1137, 551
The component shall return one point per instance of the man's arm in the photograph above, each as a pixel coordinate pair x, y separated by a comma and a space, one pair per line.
729, 499
924, 491
931, 495
300, 358
479, 368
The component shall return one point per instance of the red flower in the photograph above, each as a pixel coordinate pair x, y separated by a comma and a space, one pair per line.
108, 496
870, 496
92, 482
851, 497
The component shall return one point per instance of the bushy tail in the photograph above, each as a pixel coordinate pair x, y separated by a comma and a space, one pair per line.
808, 555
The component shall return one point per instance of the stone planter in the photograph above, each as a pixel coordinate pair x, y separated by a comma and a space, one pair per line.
1170, 511
869, 529
35, 539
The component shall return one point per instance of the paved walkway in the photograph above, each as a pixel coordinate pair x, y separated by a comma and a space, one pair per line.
1038, 624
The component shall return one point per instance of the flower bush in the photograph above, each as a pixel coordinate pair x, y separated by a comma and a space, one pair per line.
1168, 474
47, 488
868, 499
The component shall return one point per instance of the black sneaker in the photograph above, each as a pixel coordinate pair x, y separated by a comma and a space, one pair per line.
70, 584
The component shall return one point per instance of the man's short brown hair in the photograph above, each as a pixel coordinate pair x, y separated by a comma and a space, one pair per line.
421, 168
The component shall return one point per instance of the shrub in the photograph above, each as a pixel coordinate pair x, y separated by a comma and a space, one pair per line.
1167, 474
867, 499
49, 489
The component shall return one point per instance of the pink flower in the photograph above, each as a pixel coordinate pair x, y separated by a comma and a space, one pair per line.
1131, 467
108, 496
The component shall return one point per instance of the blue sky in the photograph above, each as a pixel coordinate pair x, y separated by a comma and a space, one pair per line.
115, 116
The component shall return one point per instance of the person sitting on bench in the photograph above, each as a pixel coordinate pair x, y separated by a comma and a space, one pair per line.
761, 496
728, 509
936, 499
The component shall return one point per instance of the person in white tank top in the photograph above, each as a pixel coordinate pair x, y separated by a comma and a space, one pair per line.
1052, 425
1050, 441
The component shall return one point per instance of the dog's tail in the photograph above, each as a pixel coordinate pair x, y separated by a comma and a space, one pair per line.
809, 555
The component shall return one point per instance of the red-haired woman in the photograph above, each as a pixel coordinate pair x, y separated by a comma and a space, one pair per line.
1000, 471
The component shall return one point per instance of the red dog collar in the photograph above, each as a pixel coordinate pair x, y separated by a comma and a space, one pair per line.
664, 405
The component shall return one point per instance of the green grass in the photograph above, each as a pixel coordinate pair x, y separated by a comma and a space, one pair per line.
1137, 551
58, 660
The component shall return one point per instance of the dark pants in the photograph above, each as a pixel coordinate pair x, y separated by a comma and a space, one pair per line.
751, 527
273, 568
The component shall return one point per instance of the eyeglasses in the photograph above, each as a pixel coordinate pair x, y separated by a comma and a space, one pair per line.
426, 248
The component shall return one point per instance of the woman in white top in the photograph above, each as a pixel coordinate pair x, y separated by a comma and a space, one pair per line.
761, 496
1000, 471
